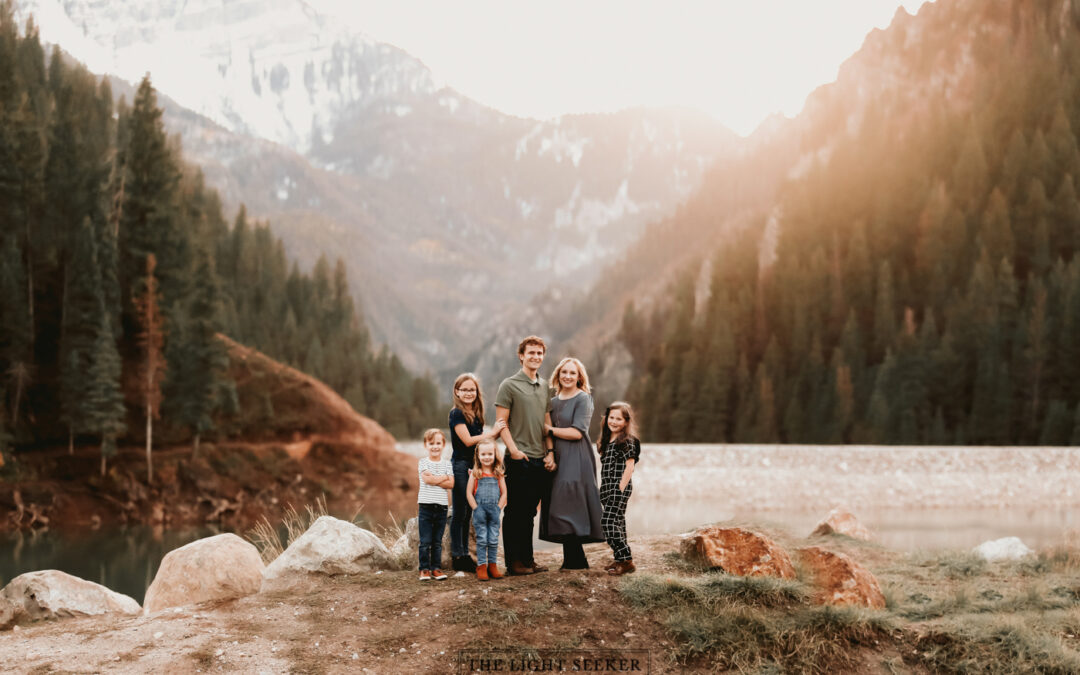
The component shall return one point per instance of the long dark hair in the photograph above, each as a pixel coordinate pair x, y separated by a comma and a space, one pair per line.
629, 431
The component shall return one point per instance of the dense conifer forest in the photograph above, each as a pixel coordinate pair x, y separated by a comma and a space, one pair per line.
923, 284
89, 191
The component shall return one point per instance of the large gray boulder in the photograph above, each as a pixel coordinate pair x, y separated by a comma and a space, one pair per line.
331, 546
215, 568
51, 594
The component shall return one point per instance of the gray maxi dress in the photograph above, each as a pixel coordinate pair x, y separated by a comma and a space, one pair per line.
575, 510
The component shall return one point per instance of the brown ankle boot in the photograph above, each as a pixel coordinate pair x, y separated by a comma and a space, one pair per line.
622, 567
493, 571
481, 572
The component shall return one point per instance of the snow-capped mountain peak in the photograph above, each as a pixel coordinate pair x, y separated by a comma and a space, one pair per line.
275, 69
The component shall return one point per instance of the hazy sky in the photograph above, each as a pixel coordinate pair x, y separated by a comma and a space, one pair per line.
738, 59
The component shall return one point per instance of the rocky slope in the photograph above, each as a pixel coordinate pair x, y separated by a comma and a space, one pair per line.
293, 442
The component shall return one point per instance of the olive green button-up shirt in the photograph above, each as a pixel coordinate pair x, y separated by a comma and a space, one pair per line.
528, 401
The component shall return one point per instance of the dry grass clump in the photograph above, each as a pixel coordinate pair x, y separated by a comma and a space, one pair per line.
754, 623
482, 612
1004, 645
272, 540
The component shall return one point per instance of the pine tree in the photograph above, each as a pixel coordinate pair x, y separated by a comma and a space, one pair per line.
151, 337
104, 402
196, 385
148, 214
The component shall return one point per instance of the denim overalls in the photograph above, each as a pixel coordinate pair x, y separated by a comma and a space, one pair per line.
486, 519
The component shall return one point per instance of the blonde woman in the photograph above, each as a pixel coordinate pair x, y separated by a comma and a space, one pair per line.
574, 514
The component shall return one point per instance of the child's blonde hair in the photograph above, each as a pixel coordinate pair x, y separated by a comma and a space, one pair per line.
498, 467
432, 433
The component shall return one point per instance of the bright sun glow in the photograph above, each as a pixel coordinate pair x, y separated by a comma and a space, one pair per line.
739, 60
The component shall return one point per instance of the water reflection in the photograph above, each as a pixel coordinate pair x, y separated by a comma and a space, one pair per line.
124, 560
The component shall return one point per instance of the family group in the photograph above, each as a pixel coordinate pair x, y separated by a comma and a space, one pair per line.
548, 466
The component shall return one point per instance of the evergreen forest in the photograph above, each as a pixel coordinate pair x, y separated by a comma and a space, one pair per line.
118, 270
918, 281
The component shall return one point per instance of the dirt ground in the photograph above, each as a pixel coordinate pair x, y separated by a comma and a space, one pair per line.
390, 622
386, 622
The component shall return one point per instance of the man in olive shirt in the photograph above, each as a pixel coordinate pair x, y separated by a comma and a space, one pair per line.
523, 400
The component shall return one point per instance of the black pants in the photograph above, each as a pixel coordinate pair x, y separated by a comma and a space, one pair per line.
461, 517
528, 484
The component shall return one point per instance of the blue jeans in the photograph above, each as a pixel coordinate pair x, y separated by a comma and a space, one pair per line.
459, 521
431, 519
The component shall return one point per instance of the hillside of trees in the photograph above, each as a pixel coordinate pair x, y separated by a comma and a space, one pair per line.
921, 282
89, 191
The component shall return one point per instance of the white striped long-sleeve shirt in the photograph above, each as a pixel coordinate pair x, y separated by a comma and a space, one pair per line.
433, 494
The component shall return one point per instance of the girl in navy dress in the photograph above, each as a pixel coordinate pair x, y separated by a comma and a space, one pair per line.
466, 431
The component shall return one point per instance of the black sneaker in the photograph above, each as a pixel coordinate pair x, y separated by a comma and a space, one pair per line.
464, 563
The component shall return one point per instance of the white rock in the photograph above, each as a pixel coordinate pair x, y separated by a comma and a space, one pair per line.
215, 568
51, 594
1007, 548
402, 550
330, 546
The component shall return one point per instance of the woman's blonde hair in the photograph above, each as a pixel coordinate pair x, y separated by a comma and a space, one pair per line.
475, 411
628, 431
498, 467
582, 379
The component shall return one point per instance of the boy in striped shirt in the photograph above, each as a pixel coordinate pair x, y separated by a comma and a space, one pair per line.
436, 482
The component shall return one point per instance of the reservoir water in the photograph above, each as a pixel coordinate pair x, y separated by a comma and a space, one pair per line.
912, 498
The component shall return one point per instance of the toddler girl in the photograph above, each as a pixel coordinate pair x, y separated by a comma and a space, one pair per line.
486, 493
619, 451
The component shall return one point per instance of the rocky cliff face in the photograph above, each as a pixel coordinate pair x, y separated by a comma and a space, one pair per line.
450, 214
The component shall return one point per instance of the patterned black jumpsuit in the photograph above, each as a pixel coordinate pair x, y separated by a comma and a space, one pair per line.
613, 464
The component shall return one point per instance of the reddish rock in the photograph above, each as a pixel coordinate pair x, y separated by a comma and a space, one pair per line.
738, 551
840, 521
839, 580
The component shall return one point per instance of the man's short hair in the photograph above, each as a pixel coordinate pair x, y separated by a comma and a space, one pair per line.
531, 340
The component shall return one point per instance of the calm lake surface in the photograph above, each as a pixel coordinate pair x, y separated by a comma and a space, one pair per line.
911, 498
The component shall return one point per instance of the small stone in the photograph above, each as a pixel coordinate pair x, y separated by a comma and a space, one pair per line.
628, 634
460, 574
355, 656
363, 618
587, 600
401, 651
219, 652
378, 573
157, 635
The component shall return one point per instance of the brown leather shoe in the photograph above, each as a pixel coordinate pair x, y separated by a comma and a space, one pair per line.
519, 568
493, 571
622, 567
538, 568
610, 566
